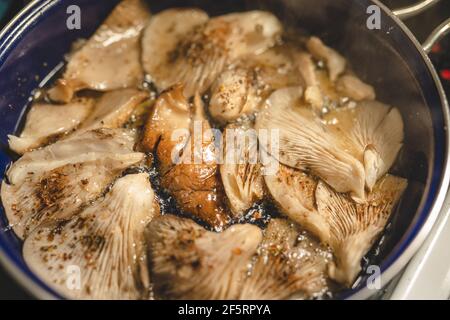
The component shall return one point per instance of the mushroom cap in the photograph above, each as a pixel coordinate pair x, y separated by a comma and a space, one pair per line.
189, 262
293, 191
110, 59
289, 262
335, 62
113, 109
160, 44
45, 122
354, 88
100, 253
196, 49
54, 182
233, 95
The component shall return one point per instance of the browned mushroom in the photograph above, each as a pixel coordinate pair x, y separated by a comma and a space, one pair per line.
183, 141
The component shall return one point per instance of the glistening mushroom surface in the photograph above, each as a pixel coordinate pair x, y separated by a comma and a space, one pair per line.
351, 229
46, 122
103, 245
189, 262
185, 46
110, 59
289, 263
184, 144
241, 171
305, 143
56, 181
372, 132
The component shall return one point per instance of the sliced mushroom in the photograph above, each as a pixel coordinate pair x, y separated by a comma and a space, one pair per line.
161, 52
293, 192
289, 263
274, 69
113, 109
186, 150
352, 87
305, 143
233, 95
189, 262
351, 229
314, 97
46, 122
110, 59
56, 181
335, 62
100, 253
372, 132
183, 46
241, 171
307, 68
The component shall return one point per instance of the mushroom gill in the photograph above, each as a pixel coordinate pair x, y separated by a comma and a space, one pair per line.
110, 59
46, 122
56, 181
189, 262
184, 46
293, 191
186, 149
289, 263
100, 253
241, 171
350, 228
306, 143
372, 132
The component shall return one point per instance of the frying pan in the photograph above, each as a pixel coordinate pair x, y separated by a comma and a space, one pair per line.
33, 45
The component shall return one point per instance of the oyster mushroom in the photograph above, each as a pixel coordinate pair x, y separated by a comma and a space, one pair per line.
306, 143
183, 46
241, 171
288, 263
56, 181
113, 109
307, 68
161, 42
350, 228
167, 128
185, 147
372, 132
233, 95
46, 122
354, 88
110, 59
293, 191
274, 69
335, 62
100, 253
189, 262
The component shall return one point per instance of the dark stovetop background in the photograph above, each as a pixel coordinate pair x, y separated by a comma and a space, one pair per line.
421, 26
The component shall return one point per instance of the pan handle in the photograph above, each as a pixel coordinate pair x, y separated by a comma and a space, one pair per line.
436, 35
415, 9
